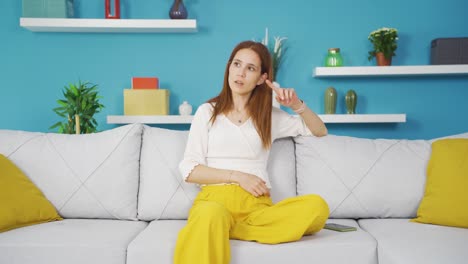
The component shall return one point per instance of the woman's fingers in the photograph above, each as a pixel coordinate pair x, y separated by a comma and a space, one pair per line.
265, 190
261, 188
289, 97
254, 185
255, 191
292, 93
280, 93
286, 95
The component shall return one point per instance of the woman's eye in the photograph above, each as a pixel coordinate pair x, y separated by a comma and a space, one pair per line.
237, 64
251, 69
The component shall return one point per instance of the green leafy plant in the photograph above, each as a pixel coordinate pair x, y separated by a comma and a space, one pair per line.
383, 40
79, 106
277, 52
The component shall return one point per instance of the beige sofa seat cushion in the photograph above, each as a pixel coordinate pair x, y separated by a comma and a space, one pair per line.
401, 241
71, 241
157, 242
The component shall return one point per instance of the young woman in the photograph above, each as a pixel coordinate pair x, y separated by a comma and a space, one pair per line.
226, 154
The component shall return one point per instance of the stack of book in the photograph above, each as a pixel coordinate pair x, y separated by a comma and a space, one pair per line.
145, 97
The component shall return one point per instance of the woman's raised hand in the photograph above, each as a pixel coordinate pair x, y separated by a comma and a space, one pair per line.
251, 183
285, 96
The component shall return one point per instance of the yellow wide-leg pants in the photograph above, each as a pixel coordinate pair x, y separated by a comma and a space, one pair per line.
223, 212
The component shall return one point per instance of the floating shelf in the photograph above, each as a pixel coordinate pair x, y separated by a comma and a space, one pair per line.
336, 118
149, 119
369, 71
364, 118
109, 25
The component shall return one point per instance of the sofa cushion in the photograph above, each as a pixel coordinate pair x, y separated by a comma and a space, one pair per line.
71, 241
84, 176
21, 202
363, 178
401, 241
282, 169
446, 198
164, 195
157, 242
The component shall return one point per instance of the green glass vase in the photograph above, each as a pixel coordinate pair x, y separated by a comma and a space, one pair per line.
330, 100
351, 101
333, 58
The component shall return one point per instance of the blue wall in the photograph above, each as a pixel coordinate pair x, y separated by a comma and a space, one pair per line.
34, 67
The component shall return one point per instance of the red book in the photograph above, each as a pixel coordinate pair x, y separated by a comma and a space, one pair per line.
145, 83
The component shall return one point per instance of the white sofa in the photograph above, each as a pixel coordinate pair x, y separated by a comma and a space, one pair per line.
123, 199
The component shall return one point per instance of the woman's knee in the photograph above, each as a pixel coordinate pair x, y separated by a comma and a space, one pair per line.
315, 203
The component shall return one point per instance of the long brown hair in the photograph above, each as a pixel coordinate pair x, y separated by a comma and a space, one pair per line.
259, 105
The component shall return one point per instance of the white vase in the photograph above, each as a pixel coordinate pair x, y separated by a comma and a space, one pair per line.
274, 102
185, 108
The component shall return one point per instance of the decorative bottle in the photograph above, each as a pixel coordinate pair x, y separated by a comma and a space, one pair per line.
178, 10
330, 100
334, 58
185, 108
351, 101
108, 8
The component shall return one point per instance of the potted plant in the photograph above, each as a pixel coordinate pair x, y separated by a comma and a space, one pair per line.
277, 52
79, 106
384, 41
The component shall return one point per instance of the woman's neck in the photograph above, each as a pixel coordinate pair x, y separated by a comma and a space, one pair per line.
240, 102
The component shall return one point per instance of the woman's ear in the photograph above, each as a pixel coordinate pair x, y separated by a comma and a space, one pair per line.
262, 79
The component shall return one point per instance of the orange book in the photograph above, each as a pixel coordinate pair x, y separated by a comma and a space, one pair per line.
145, 83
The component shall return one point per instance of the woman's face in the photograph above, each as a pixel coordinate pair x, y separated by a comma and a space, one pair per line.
245, 72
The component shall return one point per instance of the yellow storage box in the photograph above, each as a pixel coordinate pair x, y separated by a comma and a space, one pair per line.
146, 102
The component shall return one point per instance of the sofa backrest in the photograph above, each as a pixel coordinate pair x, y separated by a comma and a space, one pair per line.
131, 172
364, 178
84, 176
164, 195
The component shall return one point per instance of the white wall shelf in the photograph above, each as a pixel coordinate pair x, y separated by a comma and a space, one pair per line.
149, 119
369, 71
109, 25
364, 118
335, 118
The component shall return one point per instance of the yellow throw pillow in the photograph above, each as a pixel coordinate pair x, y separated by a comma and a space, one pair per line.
445, 200
21, 202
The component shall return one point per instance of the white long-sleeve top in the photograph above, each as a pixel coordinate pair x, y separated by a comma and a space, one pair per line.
225, 145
